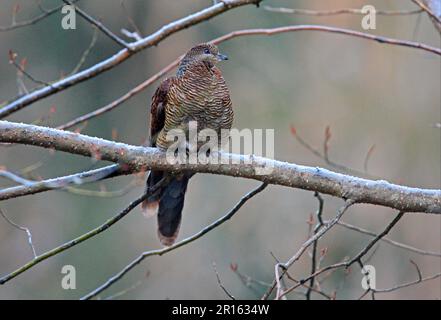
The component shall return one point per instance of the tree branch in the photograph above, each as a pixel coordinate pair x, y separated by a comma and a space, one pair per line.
136, 158
353, 33
123, 54
184, 242
240, 33
46, 13
390, 241
32, 187
99, 25
333, 12
73, 242
428, 10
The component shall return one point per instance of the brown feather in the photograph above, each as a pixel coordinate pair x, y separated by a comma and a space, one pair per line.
157, 109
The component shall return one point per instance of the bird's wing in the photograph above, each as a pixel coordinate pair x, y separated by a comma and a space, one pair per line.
157, 109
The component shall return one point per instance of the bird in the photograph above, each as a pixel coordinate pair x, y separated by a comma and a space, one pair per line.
198, 92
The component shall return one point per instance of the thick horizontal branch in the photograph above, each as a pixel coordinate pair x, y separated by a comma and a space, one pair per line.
137, 158
123, 54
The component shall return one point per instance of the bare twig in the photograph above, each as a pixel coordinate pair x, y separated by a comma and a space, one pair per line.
434, 7
86, 52
184, 242
420, 276
387, 240
427, 10
137, 34
73, 242
325, 156
21, 69
220, 283
219, 40
318, 226
121, 99
15, 177
338, 11
28, 232
368, 156
246, 279
352, 33
122, 55
356, 259
290, 277
366, 249
125, 291
285, 266
46, 13
33, 187
408, 284
99, 25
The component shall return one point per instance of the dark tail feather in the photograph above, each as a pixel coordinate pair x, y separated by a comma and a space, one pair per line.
170, 209
151, 204
167, 201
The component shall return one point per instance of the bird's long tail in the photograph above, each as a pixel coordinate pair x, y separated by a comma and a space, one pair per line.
165, 196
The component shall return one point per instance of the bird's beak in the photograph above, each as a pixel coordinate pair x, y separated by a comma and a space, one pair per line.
222, 57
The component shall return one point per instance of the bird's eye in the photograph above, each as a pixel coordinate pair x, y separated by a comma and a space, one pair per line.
206, 51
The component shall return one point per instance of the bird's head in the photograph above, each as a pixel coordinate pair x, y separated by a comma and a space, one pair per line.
204, 52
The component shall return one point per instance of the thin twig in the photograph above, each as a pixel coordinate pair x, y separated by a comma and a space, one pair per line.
367, 157
99, 25
75, 241
63, 182
427, 10
15, 177
160, 252
131, 22
327, 226
125, 291
318, 226
376, 239
46, 13
338, 11
387, 240
121, 99
420, 276
290, 277
119, 57
28, 232
408, 284
325, 156
220, 283
229, 36
356, 259
12, 57
86, 52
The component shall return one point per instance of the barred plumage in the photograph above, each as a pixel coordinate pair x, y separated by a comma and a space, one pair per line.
199, 93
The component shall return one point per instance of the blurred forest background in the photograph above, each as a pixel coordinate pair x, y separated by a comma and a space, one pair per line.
367, 93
